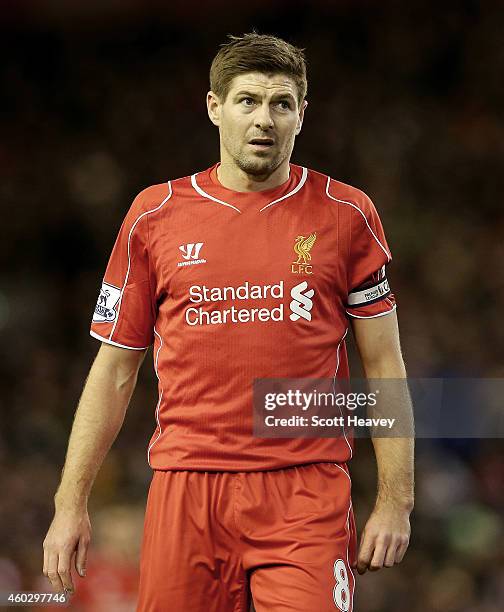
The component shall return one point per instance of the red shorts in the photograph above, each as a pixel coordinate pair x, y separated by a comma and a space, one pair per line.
214, 539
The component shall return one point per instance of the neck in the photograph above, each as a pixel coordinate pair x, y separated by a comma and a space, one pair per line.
232, 177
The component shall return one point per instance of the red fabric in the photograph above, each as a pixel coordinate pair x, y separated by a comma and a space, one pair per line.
182, 239
207, 533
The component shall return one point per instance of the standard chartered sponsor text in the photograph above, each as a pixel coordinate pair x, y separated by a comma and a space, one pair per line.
201, 294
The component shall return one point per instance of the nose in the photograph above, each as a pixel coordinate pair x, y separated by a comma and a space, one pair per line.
263, 118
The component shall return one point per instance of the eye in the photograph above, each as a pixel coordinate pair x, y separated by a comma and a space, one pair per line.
247, 101
284, 104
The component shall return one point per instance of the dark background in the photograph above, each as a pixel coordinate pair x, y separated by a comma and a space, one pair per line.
101, 99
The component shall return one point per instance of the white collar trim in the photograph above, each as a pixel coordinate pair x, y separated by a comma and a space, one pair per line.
203, 193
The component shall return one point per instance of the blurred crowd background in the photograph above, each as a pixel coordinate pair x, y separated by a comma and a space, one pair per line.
101, 99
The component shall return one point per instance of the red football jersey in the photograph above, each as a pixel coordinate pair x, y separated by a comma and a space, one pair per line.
233, 286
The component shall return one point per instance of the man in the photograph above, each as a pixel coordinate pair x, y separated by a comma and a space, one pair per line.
251, 269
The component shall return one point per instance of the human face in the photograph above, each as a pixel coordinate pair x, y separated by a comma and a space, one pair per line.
258, 122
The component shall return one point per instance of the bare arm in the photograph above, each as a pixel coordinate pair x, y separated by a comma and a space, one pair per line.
386, 535
98, 419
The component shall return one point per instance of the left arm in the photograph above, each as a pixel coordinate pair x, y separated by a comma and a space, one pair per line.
385, 538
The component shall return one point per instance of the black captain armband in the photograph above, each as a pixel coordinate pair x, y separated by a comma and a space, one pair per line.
365, 295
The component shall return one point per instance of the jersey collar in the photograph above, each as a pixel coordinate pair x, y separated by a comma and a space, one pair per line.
240, 201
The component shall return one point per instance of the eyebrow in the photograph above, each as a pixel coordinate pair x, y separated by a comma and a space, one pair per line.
279, 96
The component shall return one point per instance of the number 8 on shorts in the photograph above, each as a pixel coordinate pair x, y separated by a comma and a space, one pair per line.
341, 591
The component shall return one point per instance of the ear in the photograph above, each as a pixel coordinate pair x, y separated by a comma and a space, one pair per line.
304, 104
213, 107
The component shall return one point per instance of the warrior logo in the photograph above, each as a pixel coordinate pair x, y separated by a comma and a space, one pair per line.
190, 252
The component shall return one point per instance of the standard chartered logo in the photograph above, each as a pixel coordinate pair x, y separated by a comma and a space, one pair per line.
269, 299
301, 302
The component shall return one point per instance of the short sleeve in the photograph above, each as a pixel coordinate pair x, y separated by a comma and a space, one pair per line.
369, 292
125, 311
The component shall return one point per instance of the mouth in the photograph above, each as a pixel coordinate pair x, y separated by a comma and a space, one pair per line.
261, 143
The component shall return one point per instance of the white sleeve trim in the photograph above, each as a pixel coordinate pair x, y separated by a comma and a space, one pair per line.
389, 257
108, 341
119, 303
381, 314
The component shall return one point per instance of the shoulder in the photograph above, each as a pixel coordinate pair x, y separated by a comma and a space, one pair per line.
341, 194
154, 197
150, 197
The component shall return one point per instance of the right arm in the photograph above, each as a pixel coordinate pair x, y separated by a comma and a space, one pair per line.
98, 419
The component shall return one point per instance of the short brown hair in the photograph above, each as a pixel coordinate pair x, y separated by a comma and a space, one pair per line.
255, 52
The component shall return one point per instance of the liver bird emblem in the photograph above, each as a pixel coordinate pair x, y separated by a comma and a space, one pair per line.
302, 247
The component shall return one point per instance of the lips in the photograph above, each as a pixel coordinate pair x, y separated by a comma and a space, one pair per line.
266, 142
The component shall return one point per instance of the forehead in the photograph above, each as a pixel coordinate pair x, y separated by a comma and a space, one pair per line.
265, 83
